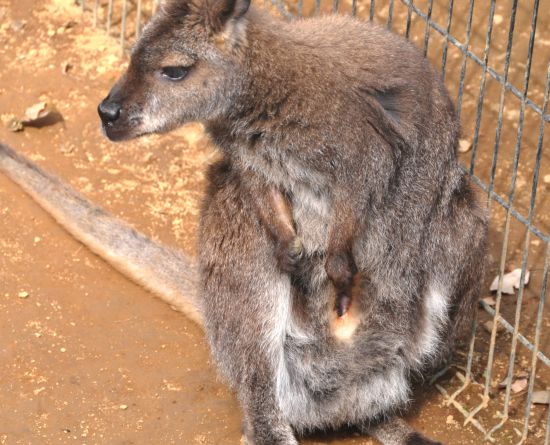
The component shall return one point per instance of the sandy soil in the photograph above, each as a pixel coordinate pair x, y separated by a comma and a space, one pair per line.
88, 357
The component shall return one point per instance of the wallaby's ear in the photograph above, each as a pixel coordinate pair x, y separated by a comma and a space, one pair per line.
220, 12
214, 15
218, 17
178, 9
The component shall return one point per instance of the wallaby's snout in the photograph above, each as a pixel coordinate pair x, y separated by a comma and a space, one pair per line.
117, 122
120, 111
118, 117
109, 111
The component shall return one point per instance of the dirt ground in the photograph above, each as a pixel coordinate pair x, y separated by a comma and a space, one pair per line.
86, 356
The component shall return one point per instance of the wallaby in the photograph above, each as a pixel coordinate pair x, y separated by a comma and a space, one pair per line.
346, 120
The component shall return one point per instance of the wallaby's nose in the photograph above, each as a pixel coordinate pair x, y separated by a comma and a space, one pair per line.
109, 111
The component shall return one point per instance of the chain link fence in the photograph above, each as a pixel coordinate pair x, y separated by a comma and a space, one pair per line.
495, 59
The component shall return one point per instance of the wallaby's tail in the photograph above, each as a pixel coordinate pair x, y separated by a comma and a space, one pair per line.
166, 272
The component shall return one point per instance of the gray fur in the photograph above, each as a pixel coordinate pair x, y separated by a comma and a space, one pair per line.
351, 123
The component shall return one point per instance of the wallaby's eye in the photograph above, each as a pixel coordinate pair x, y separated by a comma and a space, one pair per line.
174, 72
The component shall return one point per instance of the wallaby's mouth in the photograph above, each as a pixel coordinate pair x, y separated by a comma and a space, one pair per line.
115, 132
117, 125
115, 135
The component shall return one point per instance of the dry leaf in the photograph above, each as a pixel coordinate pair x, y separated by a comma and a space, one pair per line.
464, 146
66, 67
489, 301
541, 397
510, 281
519, 385
15, 125
37, 111
39, 115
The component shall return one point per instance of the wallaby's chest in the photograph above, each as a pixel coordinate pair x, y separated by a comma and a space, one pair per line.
312, 212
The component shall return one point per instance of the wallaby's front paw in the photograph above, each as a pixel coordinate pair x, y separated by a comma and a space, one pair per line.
289, 255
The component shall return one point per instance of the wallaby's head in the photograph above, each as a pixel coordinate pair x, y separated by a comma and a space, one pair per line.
184, 67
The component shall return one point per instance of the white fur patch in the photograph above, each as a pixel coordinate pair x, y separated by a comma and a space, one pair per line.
153, 119
435, 313
311, 213
278, 327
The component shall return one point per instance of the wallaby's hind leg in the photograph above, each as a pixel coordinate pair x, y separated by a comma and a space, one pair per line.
246, 301
397, 432
263, 423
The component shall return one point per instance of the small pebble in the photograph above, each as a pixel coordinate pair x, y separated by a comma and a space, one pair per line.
123, 407
464, 146
23, 294
546, 179
18, 25
15, 125
498, 19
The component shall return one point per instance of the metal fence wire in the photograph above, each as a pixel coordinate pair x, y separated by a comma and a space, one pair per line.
495, 59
